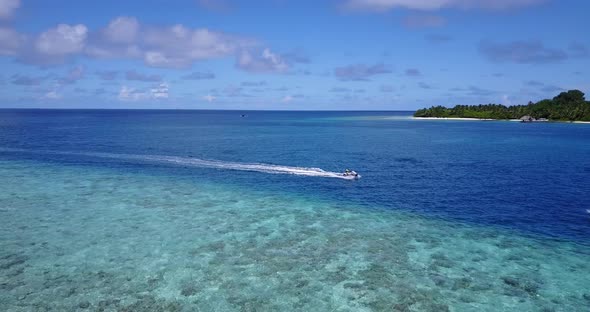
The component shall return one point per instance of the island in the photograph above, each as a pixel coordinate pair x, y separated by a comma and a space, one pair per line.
567, 106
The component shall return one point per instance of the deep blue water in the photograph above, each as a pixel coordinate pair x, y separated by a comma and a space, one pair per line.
532, 178
209, 211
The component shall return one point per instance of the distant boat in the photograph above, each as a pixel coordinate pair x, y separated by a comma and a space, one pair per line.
528, 118
244, 115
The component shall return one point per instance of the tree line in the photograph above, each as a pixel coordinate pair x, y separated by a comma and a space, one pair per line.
567, 106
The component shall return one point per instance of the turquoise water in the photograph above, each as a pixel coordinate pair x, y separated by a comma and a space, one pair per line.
96, 225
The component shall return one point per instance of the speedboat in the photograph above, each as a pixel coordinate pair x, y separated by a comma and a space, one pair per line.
351, 174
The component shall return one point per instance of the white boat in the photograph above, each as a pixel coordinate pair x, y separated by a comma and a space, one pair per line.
351, 174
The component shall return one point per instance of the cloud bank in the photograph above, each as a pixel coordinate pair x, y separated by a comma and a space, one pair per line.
175, 46
431, 5
124, 37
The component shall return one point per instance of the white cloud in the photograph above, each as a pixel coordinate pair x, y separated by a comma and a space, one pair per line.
160, 91
174, 46
51, 95
178, 46
124, 37
62, 40
52, 46
7, 8
385, 5
113, 51
265, 62
130, 94
10, 41
119, 39
122, 29
287, 99
209, 98
160, 59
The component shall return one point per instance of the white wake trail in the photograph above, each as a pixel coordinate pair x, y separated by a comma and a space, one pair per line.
203, 163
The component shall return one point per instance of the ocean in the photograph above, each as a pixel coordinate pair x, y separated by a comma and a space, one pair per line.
172, 210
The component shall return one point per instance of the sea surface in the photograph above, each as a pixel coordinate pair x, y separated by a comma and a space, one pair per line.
162, 210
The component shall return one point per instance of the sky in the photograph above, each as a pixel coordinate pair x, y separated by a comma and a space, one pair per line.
290, 55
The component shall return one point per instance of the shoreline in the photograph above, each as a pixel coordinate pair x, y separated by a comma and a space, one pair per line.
489, 119
460, 118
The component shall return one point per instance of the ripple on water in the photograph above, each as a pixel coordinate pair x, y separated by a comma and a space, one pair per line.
149, 243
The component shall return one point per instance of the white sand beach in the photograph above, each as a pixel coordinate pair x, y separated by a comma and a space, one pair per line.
486, 119
450, 118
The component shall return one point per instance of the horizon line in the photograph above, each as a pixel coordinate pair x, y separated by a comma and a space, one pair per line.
200, 109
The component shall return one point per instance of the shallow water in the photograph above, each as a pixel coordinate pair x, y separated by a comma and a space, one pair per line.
125, 240
89, 233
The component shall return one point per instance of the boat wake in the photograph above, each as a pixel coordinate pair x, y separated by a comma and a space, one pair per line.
201, 163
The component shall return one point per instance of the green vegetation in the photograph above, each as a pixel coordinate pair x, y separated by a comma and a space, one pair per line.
567, 106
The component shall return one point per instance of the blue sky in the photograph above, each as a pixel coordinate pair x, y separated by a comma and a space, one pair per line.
287, 54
